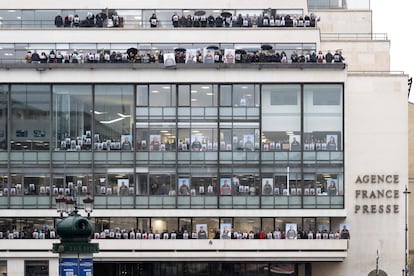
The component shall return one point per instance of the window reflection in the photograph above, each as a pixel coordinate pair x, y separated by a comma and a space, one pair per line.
3, 116
114, 184
72, 117
162, 184
30, 111
113, 117
281, 118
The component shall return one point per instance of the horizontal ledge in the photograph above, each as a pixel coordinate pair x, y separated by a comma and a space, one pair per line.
180, 66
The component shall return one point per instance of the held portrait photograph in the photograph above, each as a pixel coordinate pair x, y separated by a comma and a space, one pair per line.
225, 231
332, 142
169, 59
225, 186
229, 56
123, 187
267, 186
184, 186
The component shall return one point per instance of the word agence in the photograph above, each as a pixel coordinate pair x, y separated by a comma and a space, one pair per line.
378, 194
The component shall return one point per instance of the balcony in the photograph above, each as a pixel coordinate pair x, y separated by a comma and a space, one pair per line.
206, 250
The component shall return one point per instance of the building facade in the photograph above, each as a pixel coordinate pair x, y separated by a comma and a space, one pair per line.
182, 122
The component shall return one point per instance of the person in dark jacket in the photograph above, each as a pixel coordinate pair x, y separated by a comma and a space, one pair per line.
329, 57
35, 57
153, 21
58, 21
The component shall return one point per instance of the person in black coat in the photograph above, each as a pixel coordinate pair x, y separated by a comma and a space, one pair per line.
153, 21
329, 57
35, 57
58, 21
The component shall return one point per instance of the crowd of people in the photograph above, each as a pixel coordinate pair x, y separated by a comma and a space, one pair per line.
99, 20
277, 234
36, 233
202, 233
226, 19
200, 56
199, 19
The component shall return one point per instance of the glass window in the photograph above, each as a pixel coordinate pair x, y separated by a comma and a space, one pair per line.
142, 184
38, 268
245, 95
203, 137
203, 185
3, 267
203, 95
4, 186
119, 184
30, 117
162, 136
281, 184
226, 138
143, 224
245, 185
81, 184
160, 225
142, 95
101, 224
35, 185
323, 117
124, 224
114, 105
330, 184
325, 4
247, 225
309, 224
246, 137
162, 95
284, 223
211, 223
3, 116
162, 184
72, 117
281, 118
184, 95
183, 137
184, 225
141, 132
323, 224
225, 95
28, 184
268, 225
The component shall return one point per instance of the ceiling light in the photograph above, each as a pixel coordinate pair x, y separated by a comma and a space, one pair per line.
112, 121
123, 115
166, 87
155, 91
98, 112
205, 87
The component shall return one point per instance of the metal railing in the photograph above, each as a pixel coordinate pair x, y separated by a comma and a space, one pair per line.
354, 36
